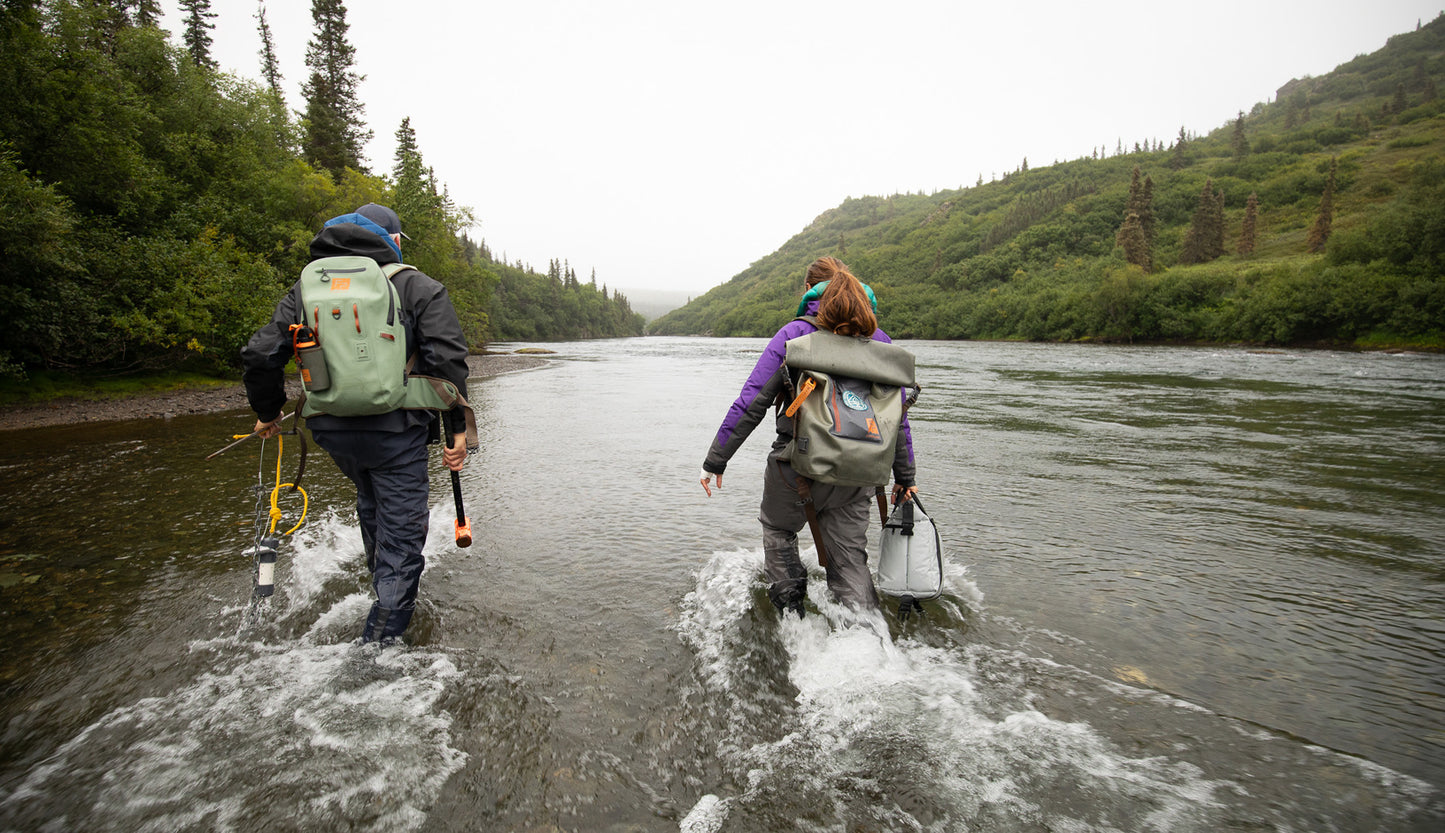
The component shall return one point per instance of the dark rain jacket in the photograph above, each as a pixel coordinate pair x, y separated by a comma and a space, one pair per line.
761, 391
433, 334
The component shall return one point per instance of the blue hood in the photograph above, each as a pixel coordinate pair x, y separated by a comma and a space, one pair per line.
359, 220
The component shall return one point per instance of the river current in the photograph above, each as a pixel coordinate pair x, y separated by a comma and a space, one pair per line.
1187, 589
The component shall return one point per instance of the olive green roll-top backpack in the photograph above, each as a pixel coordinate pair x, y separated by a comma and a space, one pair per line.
848, 406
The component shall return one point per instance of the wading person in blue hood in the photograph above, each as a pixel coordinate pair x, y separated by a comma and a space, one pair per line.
839, 303
384, 454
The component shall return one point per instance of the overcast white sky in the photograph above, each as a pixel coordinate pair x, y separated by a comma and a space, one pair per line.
669, 144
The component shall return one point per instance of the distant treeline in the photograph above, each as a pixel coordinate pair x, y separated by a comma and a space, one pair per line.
1316, 219
153, 209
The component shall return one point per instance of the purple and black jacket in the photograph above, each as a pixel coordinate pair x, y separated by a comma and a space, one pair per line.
761, 390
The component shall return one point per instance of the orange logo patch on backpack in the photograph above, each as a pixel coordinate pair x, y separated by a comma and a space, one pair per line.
338, 284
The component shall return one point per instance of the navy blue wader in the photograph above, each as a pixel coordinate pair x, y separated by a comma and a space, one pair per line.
390, 473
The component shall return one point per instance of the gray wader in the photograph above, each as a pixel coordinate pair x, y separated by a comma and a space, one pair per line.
843, 513
390, 473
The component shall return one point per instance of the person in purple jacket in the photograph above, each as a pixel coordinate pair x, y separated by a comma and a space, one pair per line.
839, 302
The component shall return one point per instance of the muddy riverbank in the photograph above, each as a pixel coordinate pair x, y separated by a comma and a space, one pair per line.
73, 410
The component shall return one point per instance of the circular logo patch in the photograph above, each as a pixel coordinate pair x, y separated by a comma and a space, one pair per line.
854, 401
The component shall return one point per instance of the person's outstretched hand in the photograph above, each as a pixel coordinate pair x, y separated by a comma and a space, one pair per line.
709, 477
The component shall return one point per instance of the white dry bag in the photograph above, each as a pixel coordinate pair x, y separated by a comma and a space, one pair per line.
910, 559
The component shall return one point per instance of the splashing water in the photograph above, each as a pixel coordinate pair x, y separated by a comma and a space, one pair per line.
830, 724
313, 729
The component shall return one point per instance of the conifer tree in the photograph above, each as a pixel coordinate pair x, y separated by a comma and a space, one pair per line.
1146, 214
335, 126
270, 67
1241, 141
414, 190
1136, 191
1203, 241
1247, 235
1177, 161
407, 170
197, 36
1130, 238
1320, 231
1135, 236
147, 12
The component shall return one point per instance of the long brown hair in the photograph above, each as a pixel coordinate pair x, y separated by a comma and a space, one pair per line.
844, 307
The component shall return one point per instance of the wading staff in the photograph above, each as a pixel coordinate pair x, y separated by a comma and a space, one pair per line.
464, 524
240, 438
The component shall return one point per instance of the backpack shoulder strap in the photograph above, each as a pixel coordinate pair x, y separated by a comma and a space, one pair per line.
392, 269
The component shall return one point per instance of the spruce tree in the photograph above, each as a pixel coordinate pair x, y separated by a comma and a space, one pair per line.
270, 67
1247, 235
197, 36
1320, 231
1201, 240
407, 171
1136, 235
1146, 213
1131, 239
1177, 161
147, 12
1136, 190
1241, 141
335, 125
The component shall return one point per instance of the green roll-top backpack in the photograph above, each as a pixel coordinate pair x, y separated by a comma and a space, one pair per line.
354, 314
847, 407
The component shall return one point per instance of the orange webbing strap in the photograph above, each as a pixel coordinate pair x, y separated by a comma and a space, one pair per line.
808, 385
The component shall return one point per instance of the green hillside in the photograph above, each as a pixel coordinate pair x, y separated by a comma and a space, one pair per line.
1044, 254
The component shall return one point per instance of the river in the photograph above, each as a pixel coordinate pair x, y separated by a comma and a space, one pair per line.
1187, 589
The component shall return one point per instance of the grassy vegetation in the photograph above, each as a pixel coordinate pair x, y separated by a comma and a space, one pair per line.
48, 386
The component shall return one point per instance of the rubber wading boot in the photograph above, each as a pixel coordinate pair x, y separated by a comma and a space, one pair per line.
386, 625
792, 604
788, 594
